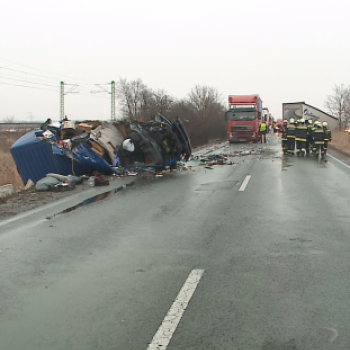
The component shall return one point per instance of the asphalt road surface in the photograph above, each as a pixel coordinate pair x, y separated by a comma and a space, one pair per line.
254, 255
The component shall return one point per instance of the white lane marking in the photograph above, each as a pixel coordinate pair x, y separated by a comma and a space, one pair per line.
166, 330
338, 160
25, 227
36, 210
245, 183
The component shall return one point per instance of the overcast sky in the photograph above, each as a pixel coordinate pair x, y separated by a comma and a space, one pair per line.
285, 51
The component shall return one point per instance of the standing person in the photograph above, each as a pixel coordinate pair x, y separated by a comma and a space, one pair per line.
318, 139
309, 136
327, 136
291, 137
263, 131
284, 136
300, 137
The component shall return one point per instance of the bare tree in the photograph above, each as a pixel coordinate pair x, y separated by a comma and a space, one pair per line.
130, 96
162, 102
9, 119
154, 102
203, 112
338, 104
203, 99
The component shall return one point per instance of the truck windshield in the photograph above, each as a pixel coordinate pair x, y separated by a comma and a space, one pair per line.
241, 116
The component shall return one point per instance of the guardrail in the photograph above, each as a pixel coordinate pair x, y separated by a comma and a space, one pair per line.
14, 127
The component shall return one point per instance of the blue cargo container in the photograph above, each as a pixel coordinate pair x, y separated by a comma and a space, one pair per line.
36, 157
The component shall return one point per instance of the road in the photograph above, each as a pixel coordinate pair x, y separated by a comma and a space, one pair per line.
253, 255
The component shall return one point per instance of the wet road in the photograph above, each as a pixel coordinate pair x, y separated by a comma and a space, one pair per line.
253, 255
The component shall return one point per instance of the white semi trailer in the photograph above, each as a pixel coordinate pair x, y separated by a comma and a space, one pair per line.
298, 110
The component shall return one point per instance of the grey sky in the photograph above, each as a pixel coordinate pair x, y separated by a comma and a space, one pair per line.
286, 51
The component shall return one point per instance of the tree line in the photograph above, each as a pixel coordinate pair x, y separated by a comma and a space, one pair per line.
338, 104
201, 111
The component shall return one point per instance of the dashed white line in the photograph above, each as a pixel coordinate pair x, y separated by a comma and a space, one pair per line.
245, 183
166, 330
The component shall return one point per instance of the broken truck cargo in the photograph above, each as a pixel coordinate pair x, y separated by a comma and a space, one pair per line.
86, 147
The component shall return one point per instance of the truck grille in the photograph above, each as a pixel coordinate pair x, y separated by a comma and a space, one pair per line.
242, 128
243, 135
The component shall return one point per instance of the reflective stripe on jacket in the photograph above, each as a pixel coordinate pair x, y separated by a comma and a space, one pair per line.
290, 131
327, 134
319, 137
300, 133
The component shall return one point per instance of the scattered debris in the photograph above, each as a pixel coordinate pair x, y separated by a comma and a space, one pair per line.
56, 182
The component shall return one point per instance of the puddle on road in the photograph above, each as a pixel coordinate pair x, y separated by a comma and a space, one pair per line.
94, 199
284, 163
300, 239
217, 186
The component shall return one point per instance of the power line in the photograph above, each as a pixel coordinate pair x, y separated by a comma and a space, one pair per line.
19, 71
26, 81
86, 94
41, 70
30, 87
40, 76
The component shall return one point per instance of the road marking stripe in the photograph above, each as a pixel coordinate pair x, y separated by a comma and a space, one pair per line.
245, 183
338, 160
166, 330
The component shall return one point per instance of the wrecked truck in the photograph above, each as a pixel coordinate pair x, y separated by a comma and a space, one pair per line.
83, 148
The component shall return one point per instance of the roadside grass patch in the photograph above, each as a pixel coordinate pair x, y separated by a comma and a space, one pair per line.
8, 170
341, 141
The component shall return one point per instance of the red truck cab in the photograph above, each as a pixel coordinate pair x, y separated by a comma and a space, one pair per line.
243, 118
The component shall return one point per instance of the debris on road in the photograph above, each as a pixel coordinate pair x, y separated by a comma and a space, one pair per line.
56, 182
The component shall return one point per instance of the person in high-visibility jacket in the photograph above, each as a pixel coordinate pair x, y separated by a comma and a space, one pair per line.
263, 131
300, 137
284, 136
318, 139
327, 136
309, 136
291, 136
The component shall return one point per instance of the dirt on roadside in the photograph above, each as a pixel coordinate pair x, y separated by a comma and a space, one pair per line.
27, 200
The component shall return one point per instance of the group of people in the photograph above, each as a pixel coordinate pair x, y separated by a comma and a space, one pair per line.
305, 137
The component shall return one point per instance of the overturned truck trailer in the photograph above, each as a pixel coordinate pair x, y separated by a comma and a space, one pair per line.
158, 143
81, 148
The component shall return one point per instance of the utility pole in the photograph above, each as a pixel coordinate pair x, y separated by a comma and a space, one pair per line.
112, 93
62, 101
113, 100
62, 93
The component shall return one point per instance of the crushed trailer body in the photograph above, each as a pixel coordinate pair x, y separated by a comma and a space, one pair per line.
84, 148
35, 157
157, 143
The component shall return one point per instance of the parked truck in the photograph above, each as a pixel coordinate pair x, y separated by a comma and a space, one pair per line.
243, 118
